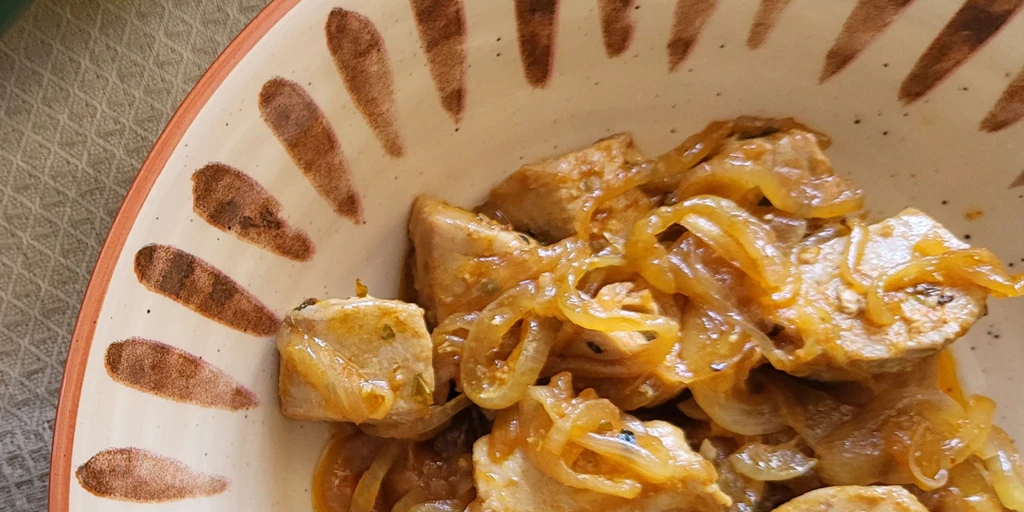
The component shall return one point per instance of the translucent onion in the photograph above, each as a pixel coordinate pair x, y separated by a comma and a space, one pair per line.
345, 390
499, 384
440, 506
589, 314
856, 452
734, 234
858, 242
739, 411
555, 467
449, 340
1006, 469
653, 468
977, 267
974, 429
771, 463
365, 495
506, 271
438, 417
410, 500
804, 192
923, 461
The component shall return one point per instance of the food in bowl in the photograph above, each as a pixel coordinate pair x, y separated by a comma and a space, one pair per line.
717, 328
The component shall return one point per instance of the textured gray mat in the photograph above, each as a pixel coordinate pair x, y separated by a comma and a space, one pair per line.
85, 88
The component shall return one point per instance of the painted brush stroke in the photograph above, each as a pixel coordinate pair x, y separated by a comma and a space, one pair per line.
162, 370
973, 25
768, 14
1009, 109
362, 60
616, 25
133, 474
865, 23
1019, 182
234, 202
303, 130
535, 25
199, 286
689, 19
442, 28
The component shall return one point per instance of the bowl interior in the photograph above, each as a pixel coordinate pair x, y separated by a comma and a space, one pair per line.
929, 153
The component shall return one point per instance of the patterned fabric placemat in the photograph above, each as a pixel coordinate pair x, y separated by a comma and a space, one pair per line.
85, 88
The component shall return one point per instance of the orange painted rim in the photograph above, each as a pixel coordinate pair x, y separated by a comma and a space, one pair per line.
85, 328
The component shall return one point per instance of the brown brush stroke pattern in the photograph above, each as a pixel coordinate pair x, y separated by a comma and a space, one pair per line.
442, 28
690, 18
133, 474
535, 24
172, 373
234, 202
1009, 109
1019, 182
767, 16
362, 60
302, 128
199, 286
974, 24
616, 25
865, 23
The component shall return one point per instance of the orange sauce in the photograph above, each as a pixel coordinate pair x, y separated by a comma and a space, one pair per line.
949, 381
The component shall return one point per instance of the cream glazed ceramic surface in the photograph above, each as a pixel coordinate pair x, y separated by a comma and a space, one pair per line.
330, 116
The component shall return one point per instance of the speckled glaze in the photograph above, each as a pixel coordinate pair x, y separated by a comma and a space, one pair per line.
289, 170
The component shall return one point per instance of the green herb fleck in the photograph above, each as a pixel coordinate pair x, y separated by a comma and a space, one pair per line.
387, 333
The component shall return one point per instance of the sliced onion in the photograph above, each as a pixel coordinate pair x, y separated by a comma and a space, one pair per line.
924, 462
365, 495
977, 267
653, 468
555, 467
500, 384
1006, 468
346, 392
418, 429
734, 234
440, 506
771, 463
855, 247
738, 411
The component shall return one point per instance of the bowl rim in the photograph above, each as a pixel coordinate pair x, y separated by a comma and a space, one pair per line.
99, 282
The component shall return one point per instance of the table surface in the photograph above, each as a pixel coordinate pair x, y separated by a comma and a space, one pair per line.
85, 88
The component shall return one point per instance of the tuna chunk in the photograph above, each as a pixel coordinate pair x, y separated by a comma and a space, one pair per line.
932, 315
543, 198
337, 352
853, 498
516, 483
447, 241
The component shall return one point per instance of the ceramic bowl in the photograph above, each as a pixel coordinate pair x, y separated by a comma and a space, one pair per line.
289, 170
